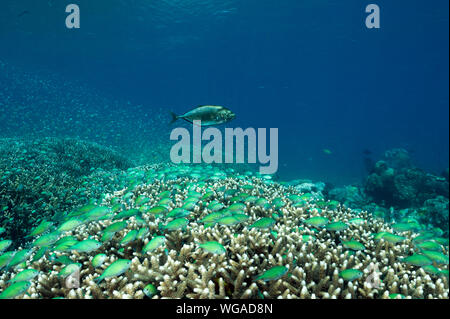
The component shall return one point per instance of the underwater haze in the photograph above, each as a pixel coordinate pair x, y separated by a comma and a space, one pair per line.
310, 68
363, 148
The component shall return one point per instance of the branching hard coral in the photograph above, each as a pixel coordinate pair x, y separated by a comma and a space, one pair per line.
43, 178
287, 259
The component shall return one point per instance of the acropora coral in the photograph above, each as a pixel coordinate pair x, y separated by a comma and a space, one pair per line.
286, 258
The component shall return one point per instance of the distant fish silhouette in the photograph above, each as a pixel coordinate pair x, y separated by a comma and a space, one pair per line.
23, 13
367, 152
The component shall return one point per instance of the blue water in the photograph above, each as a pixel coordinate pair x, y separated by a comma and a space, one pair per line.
310, 68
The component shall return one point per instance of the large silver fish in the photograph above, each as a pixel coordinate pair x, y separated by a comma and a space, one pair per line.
208, 114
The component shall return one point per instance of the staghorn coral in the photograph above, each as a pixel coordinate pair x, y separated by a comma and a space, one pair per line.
180, 269
44, 177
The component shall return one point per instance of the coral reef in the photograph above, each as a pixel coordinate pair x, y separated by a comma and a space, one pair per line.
395, 189
396, 182
44, 178
351, 196
311, 258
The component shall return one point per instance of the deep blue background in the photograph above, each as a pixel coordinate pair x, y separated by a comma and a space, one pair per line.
311, 69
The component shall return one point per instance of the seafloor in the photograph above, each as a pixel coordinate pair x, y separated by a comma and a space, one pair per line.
81, 222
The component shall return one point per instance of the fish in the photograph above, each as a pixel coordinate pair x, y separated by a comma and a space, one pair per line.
317, 221
86, 245
117, 268
165, 194
25, 275
126, 214
4, 244
265, 222
165, 202
273, 273
436, 256
66, 245
392, 238
70, 224
96, 213
107, 236
237, 207
47, 239
142, 233
351, 274
212, 218
404, 227
98, 260
39, 254
19, 257
6, 258
178, 213
15, 290
228, 221
141, 200
213, 247
353, 245
379, 236
69, 270
442, 241
396, 296
240, 217
150, 290
41, 228
153, 244
175, 224
208, 115
65, 260
208, 195
115, 227
429, 245
129, 237
417, 260
158, 210
431, 270
336, 226
189, 205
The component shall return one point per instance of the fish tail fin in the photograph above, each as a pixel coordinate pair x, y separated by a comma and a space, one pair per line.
98, 279
174, 117
256, 277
